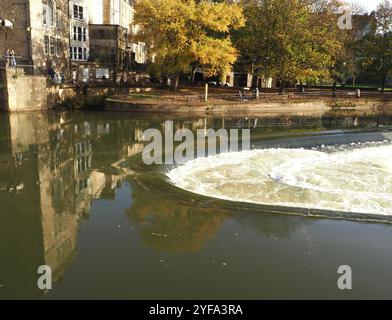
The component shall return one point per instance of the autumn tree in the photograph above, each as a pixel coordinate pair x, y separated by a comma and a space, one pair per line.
290, 40
346, 66
183, 34
377, 47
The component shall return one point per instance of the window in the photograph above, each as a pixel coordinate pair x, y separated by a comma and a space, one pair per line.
44, 15
101, 73
78, 53
52, 45
80, 34
74, 53
46, 45
48, 13
78, 12
84, 34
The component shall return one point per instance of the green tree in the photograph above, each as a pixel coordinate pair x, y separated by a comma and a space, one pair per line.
183, 34
290, 40
345, 66
377, 48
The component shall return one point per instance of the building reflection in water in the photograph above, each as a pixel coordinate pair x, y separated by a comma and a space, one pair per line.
47, 185
52, 167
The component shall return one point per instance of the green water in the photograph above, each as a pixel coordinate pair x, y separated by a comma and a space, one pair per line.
75, 196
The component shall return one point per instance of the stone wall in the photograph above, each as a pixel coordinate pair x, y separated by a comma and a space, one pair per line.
59, 31
3, 88
17, 39
21, 92
27, 38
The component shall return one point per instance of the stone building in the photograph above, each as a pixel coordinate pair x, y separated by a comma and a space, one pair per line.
117, 12
121, 12
40, 34
79, 40
81, 69
109, 49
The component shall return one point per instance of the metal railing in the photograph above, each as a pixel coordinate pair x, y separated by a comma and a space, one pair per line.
251, 96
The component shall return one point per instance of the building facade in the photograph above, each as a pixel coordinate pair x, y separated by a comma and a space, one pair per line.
79, 40
117, 12
121, 12
52, 38
39, 36
108, 48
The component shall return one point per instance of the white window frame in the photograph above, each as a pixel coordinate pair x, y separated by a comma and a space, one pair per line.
80, 34
52, 46
46, 45
78, 12
49, 18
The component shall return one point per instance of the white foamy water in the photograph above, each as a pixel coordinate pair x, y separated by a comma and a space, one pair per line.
358, 180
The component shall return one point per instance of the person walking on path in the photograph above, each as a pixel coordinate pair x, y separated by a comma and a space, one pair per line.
13, 60
7, 57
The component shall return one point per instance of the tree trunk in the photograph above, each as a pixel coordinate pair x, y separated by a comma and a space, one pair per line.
252, 72
282, 87
193, 76
176, 82
301, 87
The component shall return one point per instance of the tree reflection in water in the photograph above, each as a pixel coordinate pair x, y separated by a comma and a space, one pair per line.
54, 165
172, 225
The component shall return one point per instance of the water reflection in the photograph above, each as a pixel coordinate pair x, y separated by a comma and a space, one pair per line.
167, 224
47, 184
54, 165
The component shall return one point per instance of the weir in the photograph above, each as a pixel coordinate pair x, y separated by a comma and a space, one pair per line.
352, 178
336, 137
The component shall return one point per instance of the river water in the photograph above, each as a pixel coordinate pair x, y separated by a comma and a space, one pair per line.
314, 193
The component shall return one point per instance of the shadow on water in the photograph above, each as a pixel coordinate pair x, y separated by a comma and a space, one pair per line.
69, 202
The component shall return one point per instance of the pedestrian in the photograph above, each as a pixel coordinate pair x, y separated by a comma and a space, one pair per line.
51, 73
13, 59
7, 57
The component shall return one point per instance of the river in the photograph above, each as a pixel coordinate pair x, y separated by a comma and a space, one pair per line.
314, 193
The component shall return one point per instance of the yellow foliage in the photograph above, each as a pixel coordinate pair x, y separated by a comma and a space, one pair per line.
185, 33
